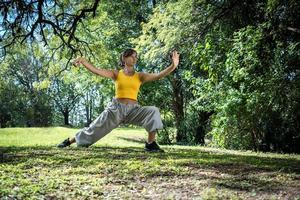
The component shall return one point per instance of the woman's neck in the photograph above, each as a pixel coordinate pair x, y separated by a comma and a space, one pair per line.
128, 70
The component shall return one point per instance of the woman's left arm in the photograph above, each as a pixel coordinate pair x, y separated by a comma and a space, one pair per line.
147, 77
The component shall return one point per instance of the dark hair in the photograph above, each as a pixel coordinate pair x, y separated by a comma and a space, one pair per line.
126, 53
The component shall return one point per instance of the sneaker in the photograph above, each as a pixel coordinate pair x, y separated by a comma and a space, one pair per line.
153, 147
64, 144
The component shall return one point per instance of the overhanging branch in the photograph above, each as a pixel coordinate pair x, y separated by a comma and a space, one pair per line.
29, 19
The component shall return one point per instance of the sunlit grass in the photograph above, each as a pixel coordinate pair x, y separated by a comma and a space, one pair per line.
53, 135
117, 167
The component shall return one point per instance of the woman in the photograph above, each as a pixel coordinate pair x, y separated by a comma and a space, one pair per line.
124, 107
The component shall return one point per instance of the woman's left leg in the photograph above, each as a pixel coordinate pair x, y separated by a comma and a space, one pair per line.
149, 118
151, 137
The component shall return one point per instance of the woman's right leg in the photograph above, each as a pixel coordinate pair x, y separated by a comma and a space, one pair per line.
72, 140
109, 119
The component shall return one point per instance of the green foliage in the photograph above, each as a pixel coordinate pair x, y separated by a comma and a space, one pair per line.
234, 122
164, 31
30, 107
251, 113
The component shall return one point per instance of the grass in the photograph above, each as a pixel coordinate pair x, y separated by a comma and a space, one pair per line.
116, 167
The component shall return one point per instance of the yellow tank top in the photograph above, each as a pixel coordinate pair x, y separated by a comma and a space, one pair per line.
127, 86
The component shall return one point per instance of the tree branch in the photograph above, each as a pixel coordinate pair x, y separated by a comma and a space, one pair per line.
19, 14
293, 29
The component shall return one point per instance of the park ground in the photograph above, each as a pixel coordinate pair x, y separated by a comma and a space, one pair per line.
116, 167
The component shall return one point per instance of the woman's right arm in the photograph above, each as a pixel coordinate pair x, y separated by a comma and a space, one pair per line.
101, 72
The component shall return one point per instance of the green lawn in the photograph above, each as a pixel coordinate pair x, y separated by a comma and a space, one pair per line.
116, 167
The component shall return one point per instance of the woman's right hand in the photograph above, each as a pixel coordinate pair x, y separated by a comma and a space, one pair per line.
78, 61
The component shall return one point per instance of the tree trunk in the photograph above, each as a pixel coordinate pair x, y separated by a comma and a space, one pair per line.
178, 105
66, 117
88, 108
200, 131
154, 3
253, 136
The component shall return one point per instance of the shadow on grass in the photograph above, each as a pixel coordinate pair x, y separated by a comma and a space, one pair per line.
138, 141
240, 170
190, 158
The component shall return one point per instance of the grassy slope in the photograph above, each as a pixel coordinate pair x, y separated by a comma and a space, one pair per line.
117, 167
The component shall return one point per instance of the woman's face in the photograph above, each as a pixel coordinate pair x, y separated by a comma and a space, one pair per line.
131, 60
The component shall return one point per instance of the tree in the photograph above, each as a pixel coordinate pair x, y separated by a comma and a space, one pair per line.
248, 57
65, 97
22, 70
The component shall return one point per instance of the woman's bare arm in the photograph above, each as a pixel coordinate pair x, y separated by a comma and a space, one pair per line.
101, 72
147, 77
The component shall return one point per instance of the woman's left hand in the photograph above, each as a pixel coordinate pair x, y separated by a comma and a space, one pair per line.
175, 59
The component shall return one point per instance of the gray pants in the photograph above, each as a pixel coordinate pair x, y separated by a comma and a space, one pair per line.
116, 113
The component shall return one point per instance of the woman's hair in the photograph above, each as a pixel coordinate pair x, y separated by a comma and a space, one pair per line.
126, 53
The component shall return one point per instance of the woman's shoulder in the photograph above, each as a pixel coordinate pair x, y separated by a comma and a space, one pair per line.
141, 75
116, 73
